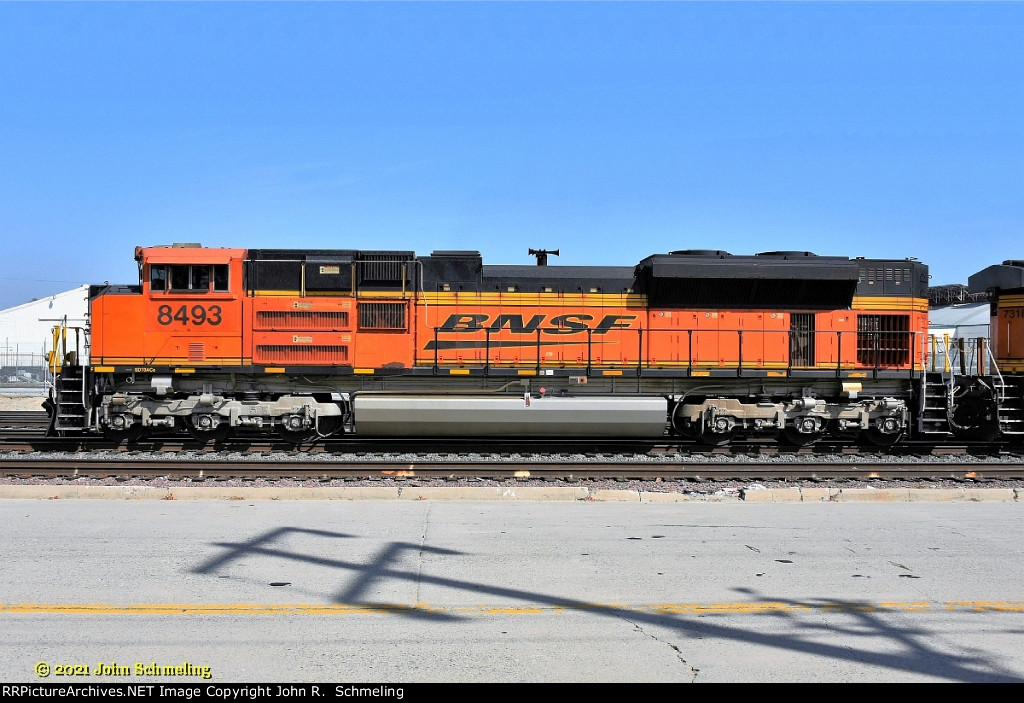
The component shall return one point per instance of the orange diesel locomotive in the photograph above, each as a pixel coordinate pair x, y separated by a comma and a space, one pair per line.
696, 343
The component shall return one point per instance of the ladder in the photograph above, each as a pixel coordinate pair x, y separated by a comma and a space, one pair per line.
70, 392
936, 394
979, 405
71, 412
934, 411
1010, 412
1009, 396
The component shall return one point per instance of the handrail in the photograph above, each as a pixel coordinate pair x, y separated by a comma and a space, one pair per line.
875, 350
995, 367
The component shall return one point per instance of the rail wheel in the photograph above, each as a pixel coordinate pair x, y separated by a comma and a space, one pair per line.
296, 437
130, 435
716, 439
795, 438
214, 436
880, 439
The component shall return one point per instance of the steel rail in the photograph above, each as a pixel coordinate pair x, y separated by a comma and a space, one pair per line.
233, 468
18, 438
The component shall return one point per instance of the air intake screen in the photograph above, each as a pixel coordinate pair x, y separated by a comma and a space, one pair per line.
382, 316
301, 320
301, 354
883, 340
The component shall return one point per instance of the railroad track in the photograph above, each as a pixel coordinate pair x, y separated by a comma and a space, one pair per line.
33, 440
24, 452
225, 466
22, 419
23, 431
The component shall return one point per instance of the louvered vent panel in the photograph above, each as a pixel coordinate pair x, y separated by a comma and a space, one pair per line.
883, 340
301, 320
382, 316
383, 269
196, 351
301, 354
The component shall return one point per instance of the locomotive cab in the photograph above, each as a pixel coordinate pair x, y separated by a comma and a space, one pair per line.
182, 322
192, 309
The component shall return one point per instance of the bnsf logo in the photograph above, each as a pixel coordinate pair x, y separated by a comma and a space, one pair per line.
560, 324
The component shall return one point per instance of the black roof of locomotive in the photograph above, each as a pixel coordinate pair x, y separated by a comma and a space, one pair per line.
693, 277
1006, 276
718, 279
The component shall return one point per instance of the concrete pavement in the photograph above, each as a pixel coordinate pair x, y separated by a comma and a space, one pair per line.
793, 494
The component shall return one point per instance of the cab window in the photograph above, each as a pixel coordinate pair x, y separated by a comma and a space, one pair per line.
157, 278
181, 277
193, 278
220, 277
200, 278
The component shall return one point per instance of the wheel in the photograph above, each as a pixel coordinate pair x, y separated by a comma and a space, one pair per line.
296, 437
214, 436
880, 439
715, 439
129, 436
792, 437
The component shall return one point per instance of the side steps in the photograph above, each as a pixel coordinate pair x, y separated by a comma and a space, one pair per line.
69, 394
933, 415
1010, 412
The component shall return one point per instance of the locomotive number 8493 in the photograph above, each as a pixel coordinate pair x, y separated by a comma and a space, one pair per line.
697, 344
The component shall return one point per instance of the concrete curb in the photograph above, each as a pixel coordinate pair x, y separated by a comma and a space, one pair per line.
520, 493
882, 495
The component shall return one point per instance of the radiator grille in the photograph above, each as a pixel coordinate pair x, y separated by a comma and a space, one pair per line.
883, 340
801, 339
382, 316
196, 351
301, 320
387, 269
312, 354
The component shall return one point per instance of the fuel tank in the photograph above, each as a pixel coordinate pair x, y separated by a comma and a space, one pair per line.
505, 416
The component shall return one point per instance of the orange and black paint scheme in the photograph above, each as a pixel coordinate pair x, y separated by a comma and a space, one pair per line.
310, 342
201, 307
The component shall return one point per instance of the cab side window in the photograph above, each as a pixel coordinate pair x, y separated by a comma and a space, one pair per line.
220, 277
200, 278
157, 278
181, 277
189, 278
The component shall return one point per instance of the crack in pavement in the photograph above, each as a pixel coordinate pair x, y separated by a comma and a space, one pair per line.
679, 653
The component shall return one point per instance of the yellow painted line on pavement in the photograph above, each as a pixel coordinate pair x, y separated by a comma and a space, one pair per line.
205, 608
756, 608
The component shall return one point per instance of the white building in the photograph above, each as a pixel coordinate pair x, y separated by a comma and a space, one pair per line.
967, 321
26, 332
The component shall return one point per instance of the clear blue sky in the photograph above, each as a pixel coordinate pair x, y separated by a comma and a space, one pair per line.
608, 130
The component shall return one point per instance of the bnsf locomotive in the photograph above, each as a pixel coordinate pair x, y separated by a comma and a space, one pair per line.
697, 344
